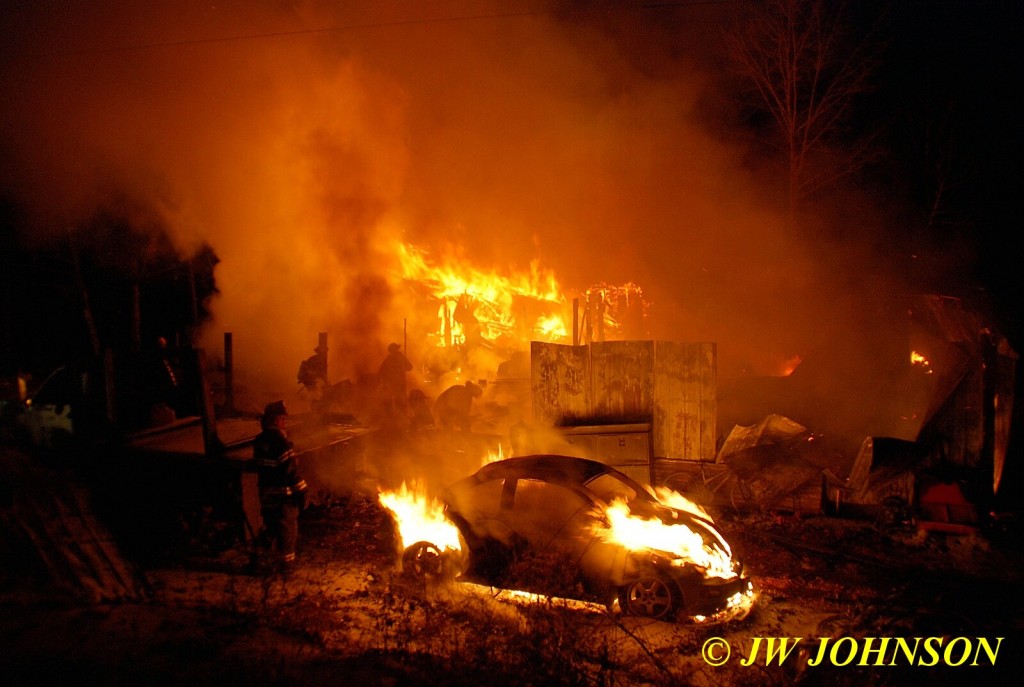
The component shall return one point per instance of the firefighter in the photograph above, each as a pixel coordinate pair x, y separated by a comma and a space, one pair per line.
453, 407
312, 375
282, 491
392, 379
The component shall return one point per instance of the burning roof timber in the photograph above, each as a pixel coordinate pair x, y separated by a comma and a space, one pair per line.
507, 310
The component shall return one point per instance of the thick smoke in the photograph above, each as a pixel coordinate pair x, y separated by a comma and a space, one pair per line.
301, 140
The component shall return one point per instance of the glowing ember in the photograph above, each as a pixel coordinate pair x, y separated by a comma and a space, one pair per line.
686, 545
738, 606
524, 598
419, 518
920, 361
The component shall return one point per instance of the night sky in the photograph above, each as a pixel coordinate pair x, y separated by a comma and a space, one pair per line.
296, 143
953, 67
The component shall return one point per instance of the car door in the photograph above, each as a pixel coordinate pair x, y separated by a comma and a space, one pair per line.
479, 510
566, 556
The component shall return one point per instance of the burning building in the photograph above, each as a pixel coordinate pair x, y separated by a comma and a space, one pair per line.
464, 313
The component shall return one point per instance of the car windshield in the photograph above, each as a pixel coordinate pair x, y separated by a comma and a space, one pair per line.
610, 486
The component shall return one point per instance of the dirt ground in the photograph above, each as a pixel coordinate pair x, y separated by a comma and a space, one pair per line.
346, 615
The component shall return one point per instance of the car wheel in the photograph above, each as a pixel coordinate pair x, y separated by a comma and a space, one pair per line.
651, 595
423, 559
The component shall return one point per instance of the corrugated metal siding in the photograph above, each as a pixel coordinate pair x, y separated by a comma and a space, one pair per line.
671, 385
625, 447
622, 375
560, 383
685, 401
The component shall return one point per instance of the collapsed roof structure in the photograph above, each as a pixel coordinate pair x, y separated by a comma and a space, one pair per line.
936, 379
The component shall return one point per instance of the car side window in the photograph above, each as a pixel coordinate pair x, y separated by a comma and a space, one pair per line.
543, 510
483, 500
609, 488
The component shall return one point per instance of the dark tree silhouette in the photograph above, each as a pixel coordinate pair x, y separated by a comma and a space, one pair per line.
803, 67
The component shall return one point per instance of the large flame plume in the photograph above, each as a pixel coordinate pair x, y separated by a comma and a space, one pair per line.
419, 517
485, 300
709, 553
511, 308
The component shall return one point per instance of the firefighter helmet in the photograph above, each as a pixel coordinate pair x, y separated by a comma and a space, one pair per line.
272, 411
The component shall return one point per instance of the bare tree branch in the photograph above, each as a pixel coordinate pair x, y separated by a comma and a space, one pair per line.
805, 68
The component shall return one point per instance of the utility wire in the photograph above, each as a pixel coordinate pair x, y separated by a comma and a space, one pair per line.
353, 27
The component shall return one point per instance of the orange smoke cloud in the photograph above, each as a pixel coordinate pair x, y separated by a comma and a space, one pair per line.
302, 143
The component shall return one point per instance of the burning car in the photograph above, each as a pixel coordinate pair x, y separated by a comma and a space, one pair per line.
575, 528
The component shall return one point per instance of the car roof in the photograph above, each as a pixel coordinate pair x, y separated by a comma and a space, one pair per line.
570, 471
554, 468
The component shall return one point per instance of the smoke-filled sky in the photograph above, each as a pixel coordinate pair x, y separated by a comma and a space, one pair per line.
301, 139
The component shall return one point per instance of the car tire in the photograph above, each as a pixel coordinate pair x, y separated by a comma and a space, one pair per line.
651, 595
422, 560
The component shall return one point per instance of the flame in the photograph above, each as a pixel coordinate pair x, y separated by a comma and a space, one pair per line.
674, 499
483, 298
920, 360
513, 307
738, 606
551, 328
494, 456
612, 303
420, 518
685, 545
455, 279
789, 365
